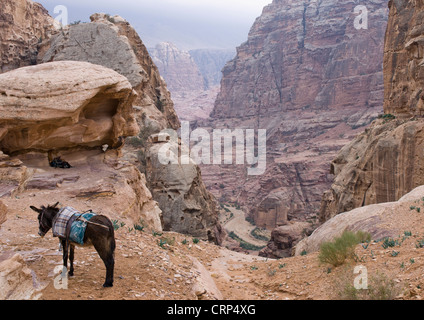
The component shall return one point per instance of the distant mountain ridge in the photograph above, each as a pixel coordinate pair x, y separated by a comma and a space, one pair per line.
192, 77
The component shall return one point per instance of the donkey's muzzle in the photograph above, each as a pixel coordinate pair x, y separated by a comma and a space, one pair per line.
41, 234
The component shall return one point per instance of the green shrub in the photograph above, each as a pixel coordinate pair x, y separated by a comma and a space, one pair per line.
343, 247
117, 224
389, 243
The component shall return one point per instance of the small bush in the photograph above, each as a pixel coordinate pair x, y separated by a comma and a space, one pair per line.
389, 243
337, 251
117, 224
380, 287
138, 227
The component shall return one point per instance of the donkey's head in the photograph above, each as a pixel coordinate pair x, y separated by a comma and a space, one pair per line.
45, 218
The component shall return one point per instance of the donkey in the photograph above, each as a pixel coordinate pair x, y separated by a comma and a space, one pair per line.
99, 232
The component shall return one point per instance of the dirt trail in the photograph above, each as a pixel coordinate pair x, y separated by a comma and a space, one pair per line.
147, 270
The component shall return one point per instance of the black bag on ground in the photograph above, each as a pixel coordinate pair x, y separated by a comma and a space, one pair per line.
59, 163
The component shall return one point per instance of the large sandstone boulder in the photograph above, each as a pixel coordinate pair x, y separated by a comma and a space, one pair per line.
283, 239
80, 111
187, 206
64, 105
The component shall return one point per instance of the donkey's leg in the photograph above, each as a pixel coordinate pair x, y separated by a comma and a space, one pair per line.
65, 248
105, 248
71, 258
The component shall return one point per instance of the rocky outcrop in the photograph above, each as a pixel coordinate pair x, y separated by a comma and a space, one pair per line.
385, 162
187, 206
284, 238
17, 281
23, 24
210, 63
81, 112
379, 220
113, 43
313, 81
64, 105
13, 175
380, 165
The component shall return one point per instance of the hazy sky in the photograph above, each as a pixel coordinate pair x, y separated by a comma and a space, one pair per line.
190, 24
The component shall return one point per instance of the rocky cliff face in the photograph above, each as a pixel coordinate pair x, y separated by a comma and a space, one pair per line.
178, 68
187, 206
23, 24
385, 162
210, 63
192, 77
404, 59
311, 79
113, 43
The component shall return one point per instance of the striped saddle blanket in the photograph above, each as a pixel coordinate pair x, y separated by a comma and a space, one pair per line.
78, 224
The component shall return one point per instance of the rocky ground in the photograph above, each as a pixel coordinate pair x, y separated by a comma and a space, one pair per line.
171, 266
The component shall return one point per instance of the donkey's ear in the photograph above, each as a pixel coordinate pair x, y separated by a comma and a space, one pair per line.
57, 203
36, 209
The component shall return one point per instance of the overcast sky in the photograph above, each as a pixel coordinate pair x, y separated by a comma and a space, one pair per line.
190, 24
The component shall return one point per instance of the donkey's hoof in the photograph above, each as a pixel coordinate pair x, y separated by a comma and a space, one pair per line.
108, 285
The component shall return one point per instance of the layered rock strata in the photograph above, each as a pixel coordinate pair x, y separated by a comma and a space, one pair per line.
23, 25
404, 59
385, 162
178, 68
193, 77
313, 81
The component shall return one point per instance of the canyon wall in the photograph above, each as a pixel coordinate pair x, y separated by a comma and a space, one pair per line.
386, 161
404, 60
177, 67
23, 25
193, 77
309, 77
